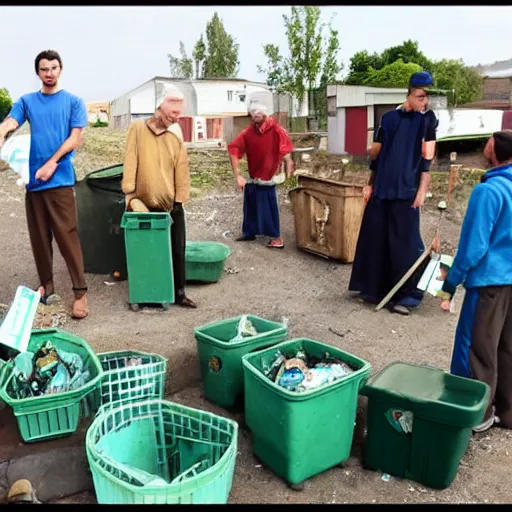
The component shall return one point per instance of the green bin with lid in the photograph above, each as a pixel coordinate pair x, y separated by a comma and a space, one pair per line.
419, 422
204, 261
149, 258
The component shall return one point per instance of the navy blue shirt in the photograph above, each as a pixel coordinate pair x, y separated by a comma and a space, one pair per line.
400, 162
51, 118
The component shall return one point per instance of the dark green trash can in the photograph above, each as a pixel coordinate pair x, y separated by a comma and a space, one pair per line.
100, 205
419, 422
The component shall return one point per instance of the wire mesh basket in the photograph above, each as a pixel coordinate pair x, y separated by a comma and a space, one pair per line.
156, 451
131, 375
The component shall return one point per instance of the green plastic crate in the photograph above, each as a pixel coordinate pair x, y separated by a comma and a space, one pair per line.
149, 258
444, 409
204, 261
221, 360
57, 415
120, 382
301, 434
193, 451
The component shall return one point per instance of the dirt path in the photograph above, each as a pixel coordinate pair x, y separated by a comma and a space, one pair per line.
312, 293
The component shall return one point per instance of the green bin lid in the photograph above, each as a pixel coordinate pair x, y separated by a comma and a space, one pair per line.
113, 171
431, 393
206, 252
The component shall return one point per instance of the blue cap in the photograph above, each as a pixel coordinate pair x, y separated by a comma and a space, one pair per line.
421, 79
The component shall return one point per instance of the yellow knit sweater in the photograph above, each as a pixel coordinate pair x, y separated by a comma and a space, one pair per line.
155, 168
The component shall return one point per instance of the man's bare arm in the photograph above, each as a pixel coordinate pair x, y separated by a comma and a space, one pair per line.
74, 141
7, 126
374, 150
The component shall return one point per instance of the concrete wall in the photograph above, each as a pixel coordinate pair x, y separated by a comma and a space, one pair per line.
224, 97
336, 131
143, 101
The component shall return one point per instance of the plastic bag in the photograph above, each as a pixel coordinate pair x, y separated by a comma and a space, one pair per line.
245, 329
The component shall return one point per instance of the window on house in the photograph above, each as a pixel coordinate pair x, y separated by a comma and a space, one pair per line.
230, 95
241, 98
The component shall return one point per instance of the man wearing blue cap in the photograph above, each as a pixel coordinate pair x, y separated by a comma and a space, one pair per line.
389, 239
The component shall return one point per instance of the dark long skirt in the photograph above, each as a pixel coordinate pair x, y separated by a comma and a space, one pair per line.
261, 211
389, 243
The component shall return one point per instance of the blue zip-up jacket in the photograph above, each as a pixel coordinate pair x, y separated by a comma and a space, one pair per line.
484, 254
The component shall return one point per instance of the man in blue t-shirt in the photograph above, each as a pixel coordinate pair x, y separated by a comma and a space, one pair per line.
57, 119
389, 239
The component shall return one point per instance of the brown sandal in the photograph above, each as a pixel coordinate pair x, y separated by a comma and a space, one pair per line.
187, 303
270, 245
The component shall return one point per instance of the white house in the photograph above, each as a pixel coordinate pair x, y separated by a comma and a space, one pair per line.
216, 108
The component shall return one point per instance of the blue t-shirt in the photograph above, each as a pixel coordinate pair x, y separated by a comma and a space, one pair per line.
400, 161
51, 118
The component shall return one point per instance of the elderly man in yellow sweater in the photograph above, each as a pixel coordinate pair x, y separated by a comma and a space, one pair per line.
156, 176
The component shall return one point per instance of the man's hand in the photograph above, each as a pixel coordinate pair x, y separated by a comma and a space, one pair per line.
2, 140
45, 172
241, 181
290, 169
367, 192
419, 201
443, 274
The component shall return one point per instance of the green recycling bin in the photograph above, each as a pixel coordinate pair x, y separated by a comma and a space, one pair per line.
220, 355
149, 258
419, 422
301, 434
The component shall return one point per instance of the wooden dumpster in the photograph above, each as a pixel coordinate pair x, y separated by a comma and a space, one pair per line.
328, 216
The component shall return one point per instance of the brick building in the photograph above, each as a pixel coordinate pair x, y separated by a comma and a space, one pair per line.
497, 91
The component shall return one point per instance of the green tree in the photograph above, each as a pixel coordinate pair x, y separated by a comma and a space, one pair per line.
5, 103
408, 51
360, 64
312, 60
275, 72
221, 59
181, 67
199, 54
453, 75
396, 75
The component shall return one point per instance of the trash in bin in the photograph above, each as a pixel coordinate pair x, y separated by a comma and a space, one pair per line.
245, 329
283, 422
302, 372
47, 372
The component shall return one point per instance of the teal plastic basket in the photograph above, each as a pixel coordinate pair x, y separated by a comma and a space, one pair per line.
192, 454
121, 381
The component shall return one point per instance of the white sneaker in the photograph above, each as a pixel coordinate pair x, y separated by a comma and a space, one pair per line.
487, 424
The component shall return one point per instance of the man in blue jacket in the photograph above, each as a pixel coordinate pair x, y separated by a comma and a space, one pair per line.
389, 239
483, 263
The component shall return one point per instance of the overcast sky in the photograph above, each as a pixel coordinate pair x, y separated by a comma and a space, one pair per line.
107, 51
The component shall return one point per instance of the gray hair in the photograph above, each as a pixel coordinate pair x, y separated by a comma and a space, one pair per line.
169, 92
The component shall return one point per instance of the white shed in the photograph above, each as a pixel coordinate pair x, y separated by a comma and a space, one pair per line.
355, 110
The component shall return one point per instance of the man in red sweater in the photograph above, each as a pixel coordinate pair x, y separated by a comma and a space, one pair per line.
266, 144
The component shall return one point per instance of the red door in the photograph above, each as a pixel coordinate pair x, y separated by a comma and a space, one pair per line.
356, 127
186, 128
506, 123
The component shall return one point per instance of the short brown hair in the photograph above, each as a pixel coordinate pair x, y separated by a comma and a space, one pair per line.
48, 55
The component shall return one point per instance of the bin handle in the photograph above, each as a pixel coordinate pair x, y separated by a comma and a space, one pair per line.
144, 224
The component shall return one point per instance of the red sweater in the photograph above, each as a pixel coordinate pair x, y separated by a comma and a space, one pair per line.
265, 146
